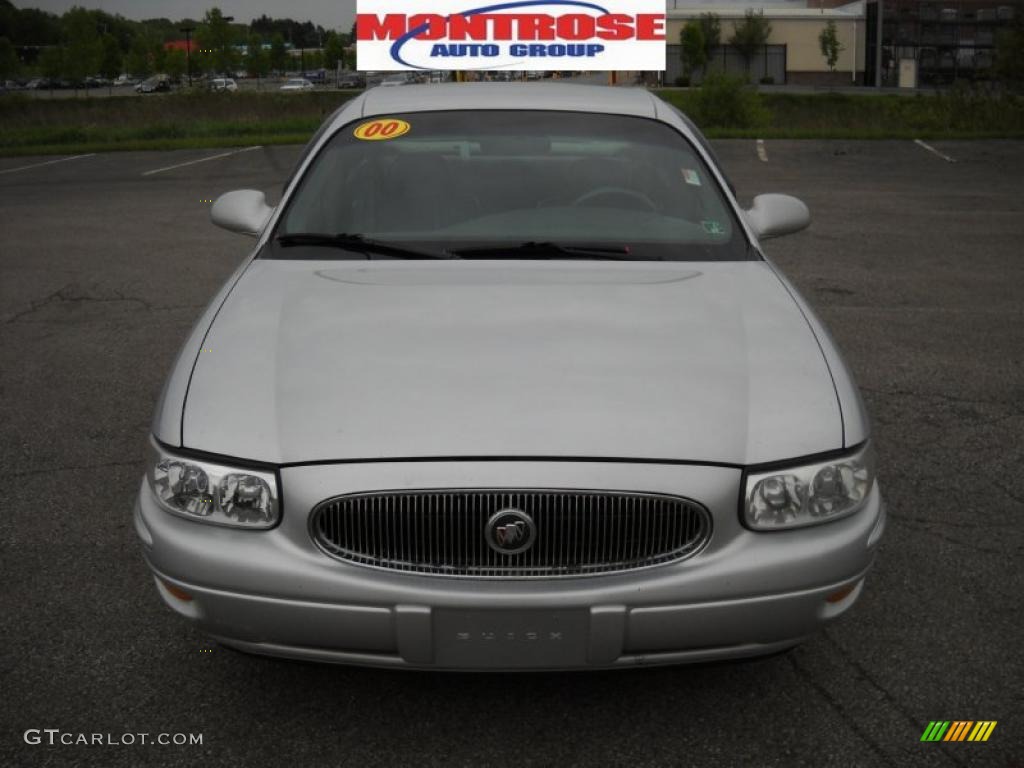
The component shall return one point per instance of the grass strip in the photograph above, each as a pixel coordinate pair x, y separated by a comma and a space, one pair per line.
730, 111
40, 126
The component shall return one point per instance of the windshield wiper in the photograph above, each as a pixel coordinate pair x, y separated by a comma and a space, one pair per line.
358, 244
549, 250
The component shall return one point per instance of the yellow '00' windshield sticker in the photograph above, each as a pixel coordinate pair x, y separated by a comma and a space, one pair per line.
382, 129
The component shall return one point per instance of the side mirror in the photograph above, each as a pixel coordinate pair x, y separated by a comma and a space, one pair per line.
777, 215
244, 211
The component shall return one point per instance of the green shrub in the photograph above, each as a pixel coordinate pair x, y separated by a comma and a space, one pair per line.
682, 81
767, 80
965, 107
728, 102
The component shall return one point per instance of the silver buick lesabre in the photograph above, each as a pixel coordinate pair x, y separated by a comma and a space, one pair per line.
508, 383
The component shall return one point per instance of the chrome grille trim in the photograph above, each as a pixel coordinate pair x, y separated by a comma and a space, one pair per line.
441, 531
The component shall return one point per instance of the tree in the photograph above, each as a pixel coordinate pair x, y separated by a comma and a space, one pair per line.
300, 34
158, 55
118, 27
278, 54
84, 47
111, 58
830, 46
139, 60
29, 26
175, 64
9, 64
711, 31
749, 35
334, 51
1009, 59
51, 62
257, 63
314, 60
694, 54
215, 37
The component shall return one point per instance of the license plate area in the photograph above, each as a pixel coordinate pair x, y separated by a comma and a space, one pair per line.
510, 639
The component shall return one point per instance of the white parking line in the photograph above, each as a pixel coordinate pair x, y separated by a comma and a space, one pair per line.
201, 160
761, 151
48, 162
934, 151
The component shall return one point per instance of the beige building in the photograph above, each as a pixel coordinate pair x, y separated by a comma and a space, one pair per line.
793, 54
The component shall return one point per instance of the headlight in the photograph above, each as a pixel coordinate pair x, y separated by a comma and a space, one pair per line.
809, 494
213, 493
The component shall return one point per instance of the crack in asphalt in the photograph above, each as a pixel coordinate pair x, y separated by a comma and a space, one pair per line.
1008, 492
916, 481
886, 693
970, 423
31, 472
968, 545
62, 296
948, 523
941, 396
806, 676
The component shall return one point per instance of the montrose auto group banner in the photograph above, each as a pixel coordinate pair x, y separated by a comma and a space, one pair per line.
517, 35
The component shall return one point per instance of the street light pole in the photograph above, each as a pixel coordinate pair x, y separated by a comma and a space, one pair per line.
188, 51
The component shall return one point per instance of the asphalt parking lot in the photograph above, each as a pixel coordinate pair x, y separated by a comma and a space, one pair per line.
915, 262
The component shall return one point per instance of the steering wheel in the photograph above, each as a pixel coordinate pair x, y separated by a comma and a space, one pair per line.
621, 193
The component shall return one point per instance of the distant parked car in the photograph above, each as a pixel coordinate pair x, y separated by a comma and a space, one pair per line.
392, 80
155, 84
221, 84
352, 80
297, 84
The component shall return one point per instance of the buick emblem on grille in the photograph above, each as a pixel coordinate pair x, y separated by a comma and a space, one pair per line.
510, 531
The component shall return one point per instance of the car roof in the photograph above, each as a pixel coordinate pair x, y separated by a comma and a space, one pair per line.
511, 96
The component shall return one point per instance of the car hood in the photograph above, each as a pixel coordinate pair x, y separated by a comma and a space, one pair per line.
317, 361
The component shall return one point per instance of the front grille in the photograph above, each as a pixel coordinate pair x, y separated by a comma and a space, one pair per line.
444, 531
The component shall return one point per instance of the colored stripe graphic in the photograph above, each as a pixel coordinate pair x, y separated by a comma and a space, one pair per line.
958, 730
982, 730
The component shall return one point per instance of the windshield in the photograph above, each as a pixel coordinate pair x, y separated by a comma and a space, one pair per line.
477, 184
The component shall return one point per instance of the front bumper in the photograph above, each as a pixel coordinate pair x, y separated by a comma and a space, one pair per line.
274, 592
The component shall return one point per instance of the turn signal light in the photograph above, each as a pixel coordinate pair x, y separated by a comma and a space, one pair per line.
178, 592
840, 595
